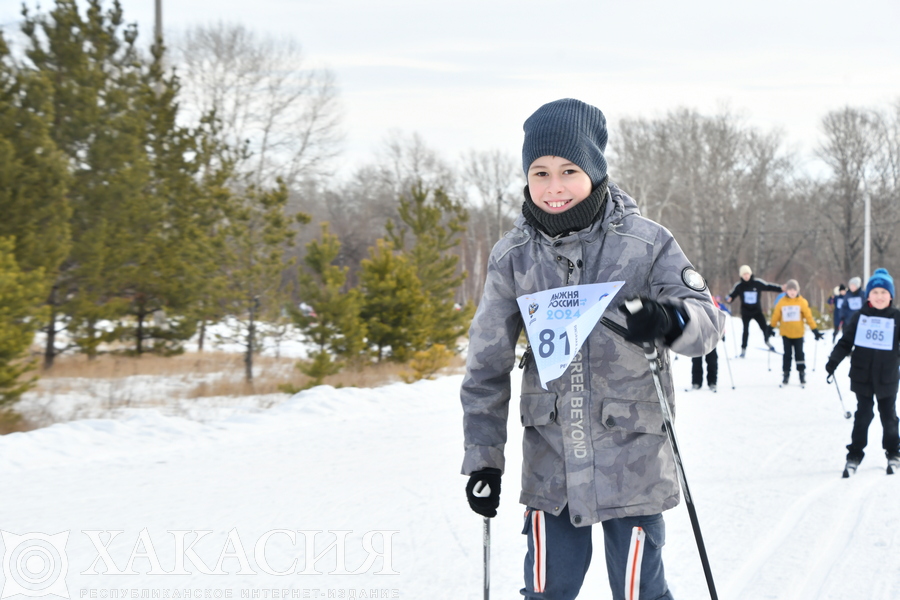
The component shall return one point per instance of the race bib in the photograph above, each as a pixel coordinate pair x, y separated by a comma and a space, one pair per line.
790, 313
854, 303
558, 322
874, 332
751, 297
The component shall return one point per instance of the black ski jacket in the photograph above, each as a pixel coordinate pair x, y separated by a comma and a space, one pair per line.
748, 292
871, 371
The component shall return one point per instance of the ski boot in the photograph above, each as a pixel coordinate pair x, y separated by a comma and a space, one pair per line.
787, 376
893, 464
802, 377
695, 386
712, 387
743, 353
850, 467
769, 344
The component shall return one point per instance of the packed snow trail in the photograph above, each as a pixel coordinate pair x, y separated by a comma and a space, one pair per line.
764, 465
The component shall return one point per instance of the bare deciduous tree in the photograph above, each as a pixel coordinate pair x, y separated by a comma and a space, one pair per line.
281, 117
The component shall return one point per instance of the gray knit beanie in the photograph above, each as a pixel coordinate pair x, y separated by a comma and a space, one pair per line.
569, 129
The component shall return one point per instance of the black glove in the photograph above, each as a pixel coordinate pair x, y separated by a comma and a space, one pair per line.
818, 334
830, 366
485, 506
653, 321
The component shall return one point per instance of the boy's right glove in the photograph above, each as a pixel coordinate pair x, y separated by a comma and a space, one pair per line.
653, 321
483, 491
830, 367
818, 335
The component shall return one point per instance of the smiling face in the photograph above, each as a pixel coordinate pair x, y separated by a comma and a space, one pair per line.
879, 298
556, 184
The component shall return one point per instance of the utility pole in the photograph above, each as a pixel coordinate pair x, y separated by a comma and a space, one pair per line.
867, 231
157, 30
158, 40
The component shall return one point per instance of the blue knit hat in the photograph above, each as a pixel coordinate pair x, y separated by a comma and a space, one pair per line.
881, 279
569, 129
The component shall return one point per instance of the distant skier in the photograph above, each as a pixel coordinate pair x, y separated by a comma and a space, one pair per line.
837, 307
712, 360
748, 290
873, 337
854, 299
594, 447
788, 315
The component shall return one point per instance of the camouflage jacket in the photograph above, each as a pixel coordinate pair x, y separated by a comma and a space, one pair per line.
595, 438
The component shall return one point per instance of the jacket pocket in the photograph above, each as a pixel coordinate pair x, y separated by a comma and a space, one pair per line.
538, 409
632, 416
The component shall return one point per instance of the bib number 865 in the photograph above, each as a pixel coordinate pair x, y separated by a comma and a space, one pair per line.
875, 336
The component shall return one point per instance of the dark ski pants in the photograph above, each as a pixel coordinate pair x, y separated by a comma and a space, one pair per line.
712, 368
559, 555
761, 321
795, 346
890, 439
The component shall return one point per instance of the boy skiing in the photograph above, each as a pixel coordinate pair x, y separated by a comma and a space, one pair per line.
837, 304
748, 289
788, 315
594, 447
872, 335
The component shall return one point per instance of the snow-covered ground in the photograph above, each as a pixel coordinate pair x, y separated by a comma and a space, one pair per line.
763, 463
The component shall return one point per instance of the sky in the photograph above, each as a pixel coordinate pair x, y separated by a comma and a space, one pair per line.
465, 75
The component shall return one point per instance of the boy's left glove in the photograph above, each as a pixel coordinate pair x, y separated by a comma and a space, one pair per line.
653, 321
818, 334
483, 491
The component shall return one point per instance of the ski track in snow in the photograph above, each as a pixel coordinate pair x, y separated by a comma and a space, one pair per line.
764, 465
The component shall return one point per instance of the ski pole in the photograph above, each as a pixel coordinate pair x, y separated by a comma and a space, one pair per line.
815, 354
769, 359
483, 490
733, 335
487, 558
830, 379
728, 363
651, 355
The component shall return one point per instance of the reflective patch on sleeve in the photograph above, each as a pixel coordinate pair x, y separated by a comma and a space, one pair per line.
693, 279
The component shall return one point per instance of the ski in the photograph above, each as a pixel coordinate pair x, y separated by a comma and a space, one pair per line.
772, 350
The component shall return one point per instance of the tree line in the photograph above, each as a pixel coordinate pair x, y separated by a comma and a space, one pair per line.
133, 218
148, 194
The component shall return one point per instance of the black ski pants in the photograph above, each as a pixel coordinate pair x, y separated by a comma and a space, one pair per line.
794, 346
712, 368
887, 409
760, 320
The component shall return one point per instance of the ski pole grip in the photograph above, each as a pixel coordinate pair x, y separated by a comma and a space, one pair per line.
481, 490
634, 305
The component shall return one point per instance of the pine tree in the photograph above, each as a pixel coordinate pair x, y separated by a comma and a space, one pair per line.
335, 328
33, 173
257, 236
435, 222
94, 72
394, 303
164, 276
20, 297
